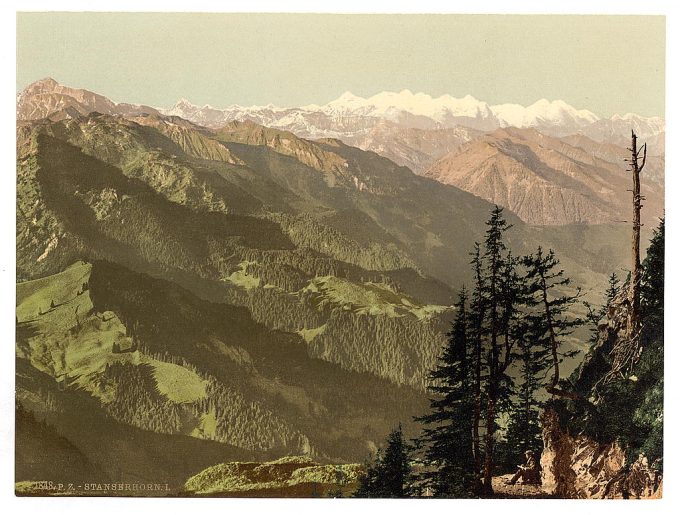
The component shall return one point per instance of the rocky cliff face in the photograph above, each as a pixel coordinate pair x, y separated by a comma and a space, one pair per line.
580, 467
577, 467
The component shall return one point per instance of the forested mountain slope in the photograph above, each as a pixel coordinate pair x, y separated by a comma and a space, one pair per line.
146, 354
260, 218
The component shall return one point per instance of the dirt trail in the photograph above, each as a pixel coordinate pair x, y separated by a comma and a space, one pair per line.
516, 491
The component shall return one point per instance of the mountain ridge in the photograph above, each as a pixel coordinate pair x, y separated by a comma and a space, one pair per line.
350, 115
545, 180
420, 110
46, 97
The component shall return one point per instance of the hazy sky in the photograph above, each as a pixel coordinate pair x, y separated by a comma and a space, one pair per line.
608, 64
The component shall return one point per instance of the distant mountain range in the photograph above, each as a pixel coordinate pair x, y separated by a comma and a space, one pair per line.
349, 115
445, 138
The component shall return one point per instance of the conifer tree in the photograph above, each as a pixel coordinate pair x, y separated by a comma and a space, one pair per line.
511, 293
524, 431
396, 465
550, 321
496, 364
369, 483
652, 284
390, 473
476, 324
514, 300
448, 437
613, 289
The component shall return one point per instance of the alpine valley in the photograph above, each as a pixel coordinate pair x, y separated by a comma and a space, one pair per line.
200, 286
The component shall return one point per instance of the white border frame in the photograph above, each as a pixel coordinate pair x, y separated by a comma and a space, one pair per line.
107, 506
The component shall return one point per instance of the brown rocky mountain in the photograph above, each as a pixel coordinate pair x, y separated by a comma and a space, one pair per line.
548, 181
47, 98
413, 147
616, 154
420, 148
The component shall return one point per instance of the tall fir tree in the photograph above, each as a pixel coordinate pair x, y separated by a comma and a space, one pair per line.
476, 317
496, 384
530, 363
447, 439
514, 299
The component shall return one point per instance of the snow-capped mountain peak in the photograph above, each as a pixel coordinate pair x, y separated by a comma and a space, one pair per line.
181, 108
544, 113
397, 106
422, 104
348, 96
632, 117
350, 114
346, 102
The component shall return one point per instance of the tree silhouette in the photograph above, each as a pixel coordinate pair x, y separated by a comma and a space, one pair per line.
551, 322
447, 437
497, 316
636, 168
389, 474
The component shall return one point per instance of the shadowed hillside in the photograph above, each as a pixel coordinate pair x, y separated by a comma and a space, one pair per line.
148, 355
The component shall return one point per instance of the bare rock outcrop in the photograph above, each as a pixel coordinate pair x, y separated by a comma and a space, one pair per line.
577, 467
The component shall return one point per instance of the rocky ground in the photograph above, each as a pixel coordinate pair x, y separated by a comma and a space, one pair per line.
516, 491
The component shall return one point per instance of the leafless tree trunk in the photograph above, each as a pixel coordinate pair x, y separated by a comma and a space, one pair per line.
490, 429
636, 271
627, 350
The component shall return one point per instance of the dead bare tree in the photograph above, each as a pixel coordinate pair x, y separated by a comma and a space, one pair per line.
627, 350
636, 272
